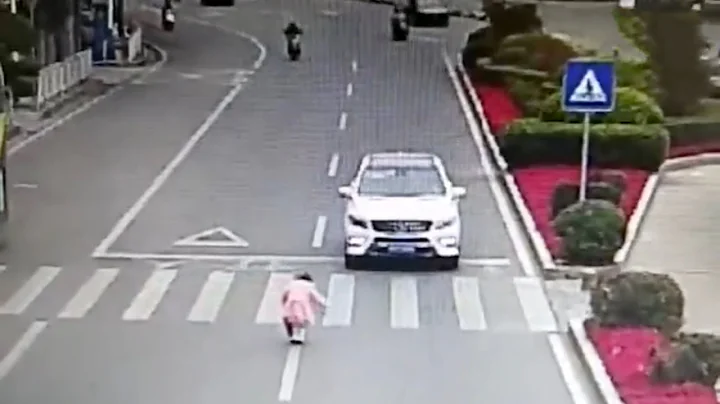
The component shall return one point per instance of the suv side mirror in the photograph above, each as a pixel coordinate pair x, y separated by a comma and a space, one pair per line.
345, 192
458, 192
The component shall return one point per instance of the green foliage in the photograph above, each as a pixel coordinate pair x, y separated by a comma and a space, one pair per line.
16, 33
528, 94
528, 142
535, 50
638, 299
564, 195
706, 348
592, 231
637, 75
675, 57
631, 107
632, 27
480, 44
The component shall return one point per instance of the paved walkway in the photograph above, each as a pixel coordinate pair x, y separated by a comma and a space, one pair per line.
99, 82
681, 237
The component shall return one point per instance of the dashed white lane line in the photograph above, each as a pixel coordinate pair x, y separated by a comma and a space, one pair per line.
354, 66
289, 374
22, 345
342, 123
349, 90
319, 233
333, 165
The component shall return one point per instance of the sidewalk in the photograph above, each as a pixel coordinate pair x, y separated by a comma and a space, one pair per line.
681, 237
26, 121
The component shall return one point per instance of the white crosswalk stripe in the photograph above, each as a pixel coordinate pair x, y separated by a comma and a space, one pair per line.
145, 303
404, 303
340, 299
30, 290
466, 292
269, 311
405, 298
211, 297
89, 293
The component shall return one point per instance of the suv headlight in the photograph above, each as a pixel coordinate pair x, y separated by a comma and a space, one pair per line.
442, 224
357, 222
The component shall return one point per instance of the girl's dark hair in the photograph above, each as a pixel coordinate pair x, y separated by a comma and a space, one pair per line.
304, 276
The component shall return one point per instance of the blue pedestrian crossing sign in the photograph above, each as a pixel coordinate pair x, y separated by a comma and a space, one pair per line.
588, 86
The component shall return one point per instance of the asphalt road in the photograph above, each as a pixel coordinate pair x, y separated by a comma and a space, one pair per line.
192, 330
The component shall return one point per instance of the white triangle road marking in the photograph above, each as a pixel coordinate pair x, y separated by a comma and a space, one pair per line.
196, 240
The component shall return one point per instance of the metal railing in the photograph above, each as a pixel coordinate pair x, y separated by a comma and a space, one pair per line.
55, 79
135, 45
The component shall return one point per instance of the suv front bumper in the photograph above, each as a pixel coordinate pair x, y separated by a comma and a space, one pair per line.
443, 243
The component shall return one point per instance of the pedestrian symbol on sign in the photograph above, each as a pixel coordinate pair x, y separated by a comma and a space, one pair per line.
588, 90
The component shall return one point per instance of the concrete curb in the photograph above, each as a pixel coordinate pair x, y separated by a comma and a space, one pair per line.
592, 363
587, 353
537, 243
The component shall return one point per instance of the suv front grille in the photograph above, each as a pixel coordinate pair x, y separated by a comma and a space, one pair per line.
401, 226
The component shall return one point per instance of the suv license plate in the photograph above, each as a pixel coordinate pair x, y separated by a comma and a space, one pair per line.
401, 249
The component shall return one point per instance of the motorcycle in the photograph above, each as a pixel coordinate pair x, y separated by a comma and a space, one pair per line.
399, 28
293, 47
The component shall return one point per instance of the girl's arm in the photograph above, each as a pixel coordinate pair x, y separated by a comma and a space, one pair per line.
319, 298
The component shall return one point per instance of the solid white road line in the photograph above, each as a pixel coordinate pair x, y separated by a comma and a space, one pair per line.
209, 302
30, 290
21, 346
517, 237
3, 268
333, 165
270, 308
342, 122
404, 303
470, 313
145, 303
340, 298
354, 66
289, 374
319, 232
165, 174
535, 305
349, 90
89, 293
569, 373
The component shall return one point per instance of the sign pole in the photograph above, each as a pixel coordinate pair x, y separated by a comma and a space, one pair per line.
585, 157
13, 6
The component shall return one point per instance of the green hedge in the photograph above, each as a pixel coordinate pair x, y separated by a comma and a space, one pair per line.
538, 51
631, 107
528, 142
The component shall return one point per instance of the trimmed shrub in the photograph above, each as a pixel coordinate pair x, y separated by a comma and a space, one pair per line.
538, 51
637, 75
638, 299
631, 107
565, 195
480, 44
527, 93
706, 348
616, 178
528, 142
591, 231
632, 27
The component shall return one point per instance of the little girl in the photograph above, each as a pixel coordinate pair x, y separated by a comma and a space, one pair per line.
300, 299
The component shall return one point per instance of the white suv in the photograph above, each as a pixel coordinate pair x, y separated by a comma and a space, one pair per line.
402, 205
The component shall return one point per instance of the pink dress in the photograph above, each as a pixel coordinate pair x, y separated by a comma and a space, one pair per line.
299, 302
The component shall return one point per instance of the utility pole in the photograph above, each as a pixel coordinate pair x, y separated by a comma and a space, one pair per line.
13, 6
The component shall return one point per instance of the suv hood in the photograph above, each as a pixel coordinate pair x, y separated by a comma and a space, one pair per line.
378, 208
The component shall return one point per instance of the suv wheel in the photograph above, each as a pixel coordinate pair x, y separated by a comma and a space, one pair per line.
449, 263
353, 262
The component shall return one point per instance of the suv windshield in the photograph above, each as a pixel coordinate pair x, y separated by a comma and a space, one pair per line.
401, 181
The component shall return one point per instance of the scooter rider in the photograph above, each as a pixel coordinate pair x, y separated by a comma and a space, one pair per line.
398, 22
291, 30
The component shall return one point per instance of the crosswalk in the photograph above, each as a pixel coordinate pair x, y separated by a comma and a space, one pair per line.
396, 301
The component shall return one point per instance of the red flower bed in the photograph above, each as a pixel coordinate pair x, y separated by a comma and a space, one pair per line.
624, 352
536, 185
626, 355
